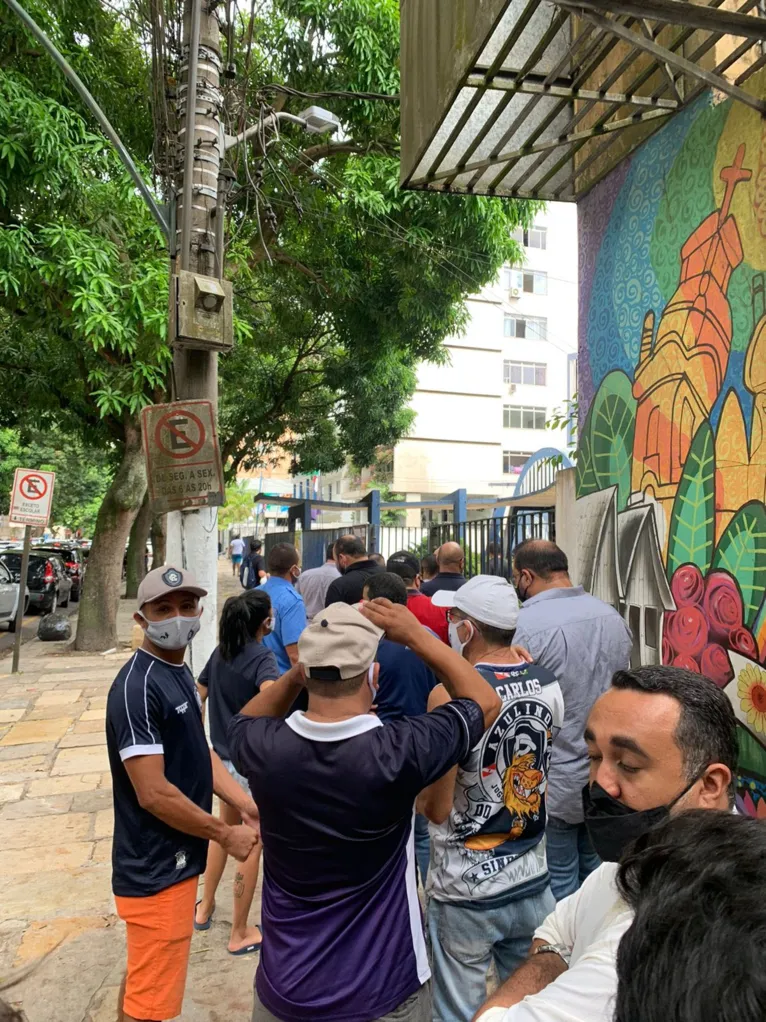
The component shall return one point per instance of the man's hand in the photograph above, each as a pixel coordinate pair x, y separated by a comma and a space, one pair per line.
252, 818
399, 624
522, 654
239, 841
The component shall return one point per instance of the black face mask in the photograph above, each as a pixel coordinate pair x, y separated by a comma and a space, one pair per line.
521, 595
612, 825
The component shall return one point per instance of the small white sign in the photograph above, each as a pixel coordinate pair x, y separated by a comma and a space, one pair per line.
31, 496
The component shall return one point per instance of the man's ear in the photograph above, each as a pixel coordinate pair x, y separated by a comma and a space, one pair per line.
140, 620
375, 674
715, 786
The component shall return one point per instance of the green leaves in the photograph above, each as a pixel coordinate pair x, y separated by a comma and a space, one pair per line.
692, 524
742, 552
606, 450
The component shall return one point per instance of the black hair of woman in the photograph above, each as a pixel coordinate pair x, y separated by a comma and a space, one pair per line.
241, 618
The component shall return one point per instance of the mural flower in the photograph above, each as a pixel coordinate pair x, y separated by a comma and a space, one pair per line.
688, 663
687, 631
741, 641
715, 664
688, 585
751, 688
722, 605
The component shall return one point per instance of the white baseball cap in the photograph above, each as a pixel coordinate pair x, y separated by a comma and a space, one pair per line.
488, 599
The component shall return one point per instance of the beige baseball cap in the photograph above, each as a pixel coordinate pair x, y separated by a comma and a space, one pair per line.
339, 643
167, 579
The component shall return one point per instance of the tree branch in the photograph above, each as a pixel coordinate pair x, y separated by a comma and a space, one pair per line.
287, 260
308, 157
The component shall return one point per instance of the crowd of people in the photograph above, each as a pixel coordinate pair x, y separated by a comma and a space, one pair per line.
466, 804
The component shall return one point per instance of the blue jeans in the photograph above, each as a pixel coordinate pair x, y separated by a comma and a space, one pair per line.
465, 941
571, 857
422, 847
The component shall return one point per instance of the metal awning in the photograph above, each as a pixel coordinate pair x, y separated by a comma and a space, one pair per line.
542, 98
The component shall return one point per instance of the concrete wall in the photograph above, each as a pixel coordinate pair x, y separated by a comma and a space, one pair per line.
673, 399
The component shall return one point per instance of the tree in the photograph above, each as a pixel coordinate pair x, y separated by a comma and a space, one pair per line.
83, 271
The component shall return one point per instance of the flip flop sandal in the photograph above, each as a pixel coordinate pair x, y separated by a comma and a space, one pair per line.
249, 950
203, 926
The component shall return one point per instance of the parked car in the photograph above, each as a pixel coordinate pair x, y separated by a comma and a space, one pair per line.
9, 596
74, 562
49, 584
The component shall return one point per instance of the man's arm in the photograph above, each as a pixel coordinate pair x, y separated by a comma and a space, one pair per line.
168, 803
530, 978
435, 802
461, 680
292, 653
227, 789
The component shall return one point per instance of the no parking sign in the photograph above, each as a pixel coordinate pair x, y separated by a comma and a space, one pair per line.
32, 496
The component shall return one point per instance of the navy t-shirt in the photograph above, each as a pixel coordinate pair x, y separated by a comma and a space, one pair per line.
231, 685
404, 682
342, 925
153, 709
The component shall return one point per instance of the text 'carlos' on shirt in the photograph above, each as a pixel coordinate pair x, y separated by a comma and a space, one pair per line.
491, 848
153, 709
342, 926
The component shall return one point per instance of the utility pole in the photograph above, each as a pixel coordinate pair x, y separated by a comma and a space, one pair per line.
193, 535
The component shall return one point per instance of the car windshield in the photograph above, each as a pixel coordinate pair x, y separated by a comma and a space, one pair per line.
36, 564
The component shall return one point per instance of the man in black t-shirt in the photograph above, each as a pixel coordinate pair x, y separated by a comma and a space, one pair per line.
253, 570
164, 776
355, 566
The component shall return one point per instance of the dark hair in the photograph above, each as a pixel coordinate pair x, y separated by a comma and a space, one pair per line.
697, 946
540, 556
330, 552
404, 564
429, 565
379, 560
241, 618
336, 689
495, 636
707, 727
387, 585
282, 557
255, 545
351, 546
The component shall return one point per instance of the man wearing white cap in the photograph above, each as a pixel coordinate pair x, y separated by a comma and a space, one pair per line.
342, 926
164, 775
489, 887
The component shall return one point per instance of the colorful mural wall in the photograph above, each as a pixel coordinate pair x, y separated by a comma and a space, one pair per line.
671, 475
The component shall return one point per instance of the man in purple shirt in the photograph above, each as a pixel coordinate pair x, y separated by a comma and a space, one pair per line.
342, 926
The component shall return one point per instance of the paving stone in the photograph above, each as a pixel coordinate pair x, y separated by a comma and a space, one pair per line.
58, 697
102, 851
99, 703
77, 741
61, 856
106, 781
29, 769
91, 801
80, 761
8, 716
22, 751
29, 808
46, 831
72, 784
42, 895
41, 938
30, 731
18, 703
52, 712
104, 825
11, 792
90, 727
93, 715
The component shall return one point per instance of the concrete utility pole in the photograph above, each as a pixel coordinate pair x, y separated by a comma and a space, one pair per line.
193, 535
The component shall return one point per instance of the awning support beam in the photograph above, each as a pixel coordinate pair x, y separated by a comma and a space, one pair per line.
681, 12
509, 81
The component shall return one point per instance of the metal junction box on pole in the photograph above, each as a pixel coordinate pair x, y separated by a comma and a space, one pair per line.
201, 312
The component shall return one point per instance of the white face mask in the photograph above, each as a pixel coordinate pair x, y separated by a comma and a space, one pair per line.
173, 632
454, 635
268, 625
371, 682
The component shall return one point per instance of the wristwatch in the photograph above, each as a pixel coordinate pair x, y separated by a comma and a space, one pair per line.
564, 953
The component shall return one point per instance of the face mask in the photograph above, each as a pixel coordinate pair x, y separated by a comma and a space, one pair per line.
371, 683
612, 825
454, 635
173, 632
268, 625
521, 593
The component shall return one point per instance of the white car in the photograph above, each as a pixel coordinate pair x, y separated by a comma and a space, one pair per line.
9, 597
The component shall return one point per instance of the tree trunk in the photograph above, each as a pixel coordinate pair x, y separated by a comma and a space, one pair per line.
159, 540
139, 535
97, 618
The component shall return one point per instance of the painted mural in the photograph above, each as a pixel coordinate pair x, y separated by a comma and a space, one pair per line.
671, 475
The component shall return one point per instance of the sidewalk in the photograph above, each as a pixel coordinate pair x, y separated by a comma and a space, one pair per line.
55, 831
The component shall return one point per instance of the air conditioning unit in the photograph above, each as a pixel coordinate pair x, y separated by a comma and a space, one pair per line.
511, 389
515, 292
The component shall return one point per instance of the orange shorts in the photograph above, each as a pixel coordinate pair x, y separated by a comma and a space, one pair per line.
160, 930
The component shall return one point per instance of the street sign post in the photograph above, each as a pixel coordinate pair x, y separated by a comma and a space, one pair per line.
31, 500
183, 461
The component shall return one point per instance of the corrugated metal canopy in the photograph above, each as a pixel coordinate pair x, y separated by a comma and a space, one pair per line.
540, 99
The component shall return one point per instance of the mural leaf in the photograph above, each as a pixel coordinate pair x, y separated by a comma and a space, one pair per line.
612, 427
742, 552
585, 480
692, 523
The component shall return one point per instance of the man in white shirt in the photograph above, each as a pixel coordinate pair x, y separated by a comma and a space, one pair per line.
660, 741
236, 550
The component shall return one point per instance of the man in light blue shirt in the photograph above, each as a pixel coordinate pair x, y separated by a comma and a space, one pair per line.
289, 610
583, 642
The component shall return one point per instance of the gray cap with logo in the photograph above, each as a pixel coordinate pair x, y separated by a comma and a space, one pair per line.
167, 579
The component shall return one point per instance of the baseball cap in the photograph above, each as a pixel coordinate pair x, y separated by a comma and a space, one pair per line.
339, 643
167, 579
488, 599
404, 564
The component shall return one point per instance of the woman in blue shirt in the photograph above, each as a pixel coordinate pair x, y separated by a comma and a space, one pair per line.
239, 667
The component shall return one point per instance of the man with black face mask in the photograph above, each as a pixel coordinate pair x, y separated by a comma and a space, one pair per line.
662, 740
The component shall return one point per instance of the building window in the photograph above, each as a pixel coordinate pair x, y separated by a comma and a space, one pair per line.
652, 627
530, 327
535, 237
521, 417
513, 461
532, 282
530, 374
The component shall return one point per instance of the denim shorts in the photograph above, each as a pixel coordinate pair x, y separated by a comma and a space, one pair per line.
241, 781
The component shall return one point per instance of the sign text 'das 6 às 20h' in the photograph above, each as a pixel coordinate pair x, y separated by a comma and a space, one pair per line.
183, 461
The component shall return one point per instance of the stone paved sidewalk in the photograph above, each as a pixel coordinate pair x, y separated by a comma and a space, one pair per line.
56, 906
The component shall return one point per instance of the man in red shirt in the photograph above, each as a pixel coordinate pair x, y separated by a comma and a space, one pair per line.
407, 567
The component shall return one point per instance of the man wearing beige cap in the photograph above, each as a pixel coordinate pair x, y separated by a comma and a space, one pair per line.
164, 776
342, 926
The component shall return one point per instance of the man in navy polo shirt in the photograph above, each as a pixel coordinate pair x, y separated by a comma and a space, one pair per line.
287, 603
342, 926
